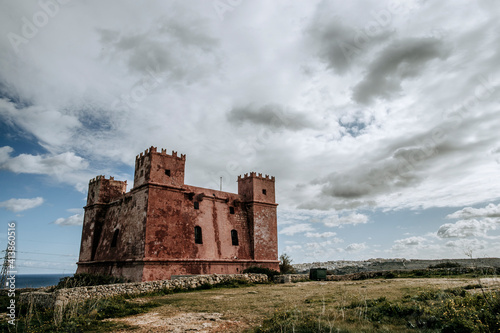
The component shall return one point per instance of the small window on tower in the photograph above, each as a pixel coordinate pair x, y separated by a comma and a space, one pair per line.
231, 210
234, 237
142, 173
167, 172
196, 205
115, 238
198, 238
264, 192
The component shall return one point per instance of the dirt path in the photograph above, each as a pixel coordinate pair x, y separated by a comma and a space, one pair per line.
183, 322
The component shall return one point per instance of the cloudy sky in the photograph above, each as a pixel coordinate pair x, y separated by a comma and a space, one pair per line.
379, 119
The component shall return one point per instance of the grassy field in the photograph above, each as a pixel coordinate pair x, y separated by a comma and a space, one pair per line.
342, 306
460, 304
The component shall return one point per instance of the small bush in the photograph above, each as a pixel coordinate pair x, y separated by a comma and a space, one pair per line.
85, 279
271, 273
286, 264
451, 310
236, 283
447, 264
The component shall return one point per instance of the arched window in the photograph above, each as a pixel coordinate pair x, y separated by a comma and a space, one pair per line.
115, 238
234, 237
198, 238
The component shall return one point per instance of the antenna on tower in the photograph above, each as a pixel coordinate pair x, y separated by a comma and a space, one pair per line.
221, 183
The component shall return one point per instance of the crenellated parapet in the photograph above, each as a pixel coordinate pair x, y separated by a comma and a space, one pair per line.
159, 167
163, 152
256, 175
104, 190
102, 177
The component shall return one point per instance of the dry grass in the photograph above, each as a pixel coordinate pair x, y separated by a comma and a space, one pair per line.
237, 309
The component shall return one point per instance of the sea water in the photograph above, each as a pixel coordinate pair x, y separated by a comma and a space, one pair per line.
38, 280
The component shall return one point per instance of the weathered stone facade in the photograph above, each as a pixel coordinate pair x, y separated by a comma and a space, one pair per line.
163, 227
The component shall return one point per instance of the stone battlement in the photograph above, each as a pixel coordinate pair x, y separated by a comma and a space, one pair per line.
255, 175
153, 149
102, 177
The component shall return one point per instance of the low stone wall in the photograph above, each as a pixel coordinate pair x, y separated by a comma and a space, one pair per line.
61, 297
288, 278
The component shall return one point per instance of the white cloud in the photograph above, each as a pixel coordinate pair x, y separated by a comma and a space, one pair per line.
355, 247
50, 126
410, 241
326, 234
378, 129
295, 229
470, 247
41, 164
64, 167
292, 248
468, 228
402, 244
490, 210
184, 56
5, 154
352, 219
76, 219
19, 205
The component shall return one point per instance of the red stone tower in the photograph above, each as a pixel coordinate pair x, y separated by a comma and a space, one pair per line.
163, 227
258, 193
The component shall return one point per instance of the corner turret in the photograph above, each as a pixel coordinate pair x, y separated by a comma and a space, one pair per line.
102, 190
159, 167
255, 187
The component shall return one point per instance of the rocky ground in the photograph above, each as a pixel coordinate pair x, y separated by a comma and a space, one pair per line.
182, 322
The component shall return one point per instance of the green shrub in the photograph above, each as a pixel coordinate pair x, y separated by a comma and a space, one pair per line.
451, 310
447, 264
85, 279
286, 264
271, 273
236, 283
